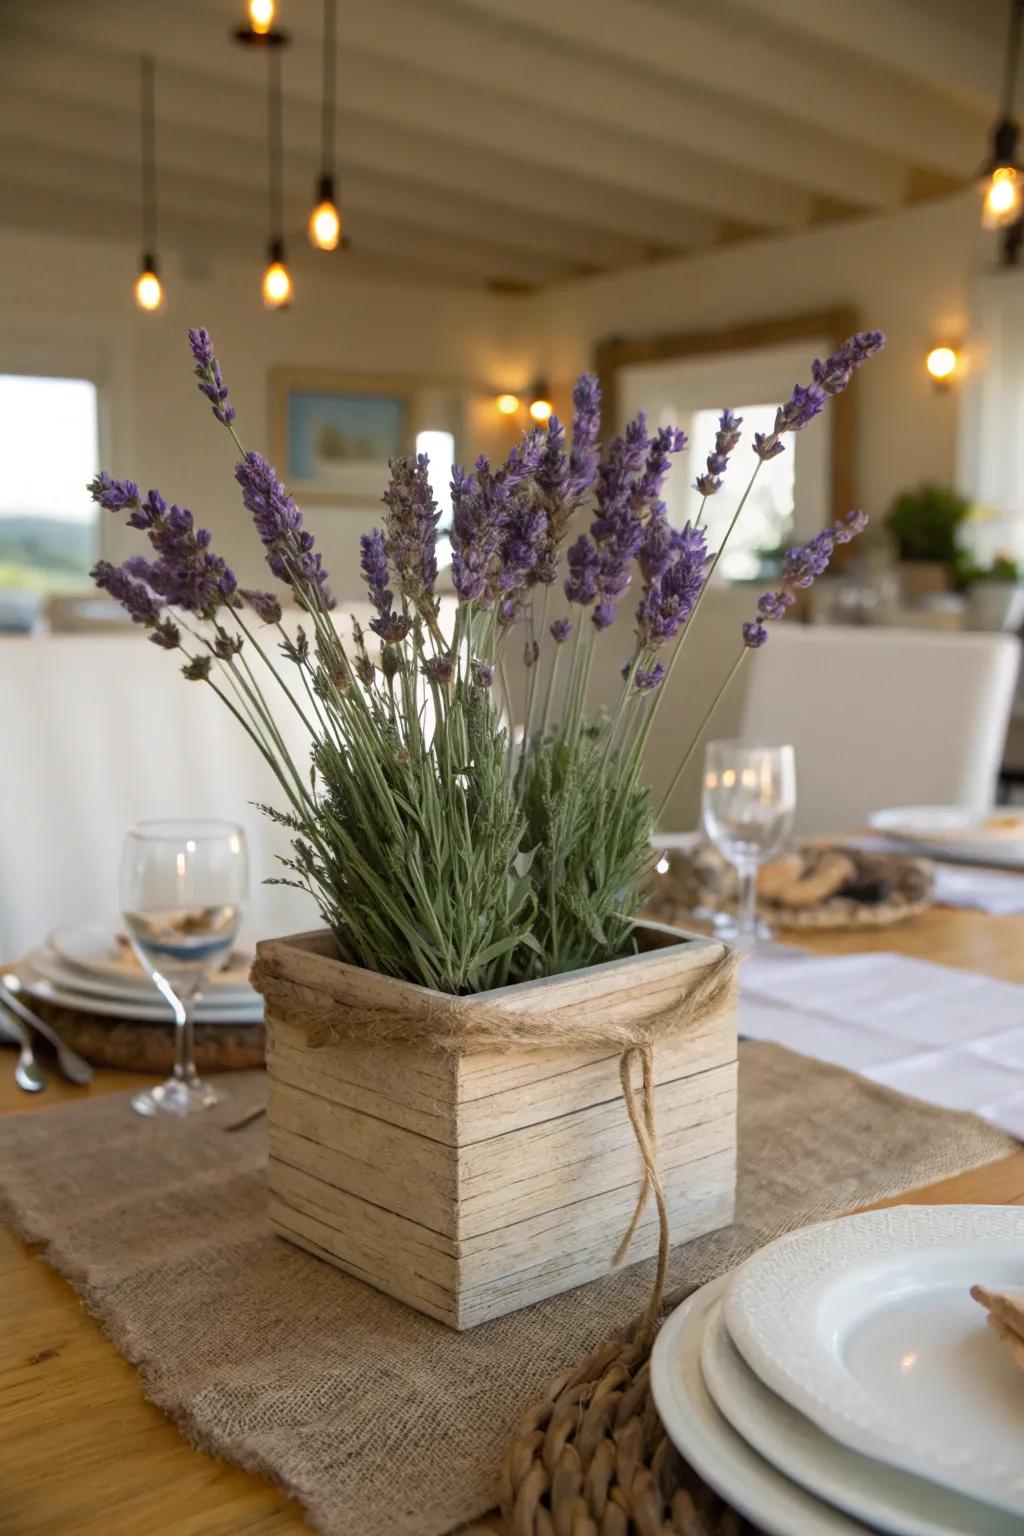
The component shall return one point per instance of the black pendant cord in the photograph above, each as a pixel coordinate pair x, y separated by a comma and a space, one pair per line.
330, 91
1012, 59
147, 105
274, 145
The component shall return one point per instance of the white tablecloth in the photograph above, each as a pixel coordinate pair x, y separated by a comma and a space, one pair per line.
950, 1037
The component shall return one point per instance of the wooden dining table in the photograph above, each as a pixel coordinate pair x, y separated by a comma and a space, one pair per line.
85, 1454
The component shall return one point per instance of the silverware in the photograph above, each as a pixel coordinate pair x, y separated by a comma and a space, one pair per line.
27, 1072
246, 1119
69, 1063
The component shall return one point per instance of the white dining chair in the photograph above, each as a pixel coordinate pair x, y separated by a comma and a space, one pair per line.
882, 717
100, 731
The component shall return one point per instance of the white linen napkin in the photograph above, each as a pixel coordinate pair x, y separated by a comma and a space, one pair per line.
983, 889
949, 1037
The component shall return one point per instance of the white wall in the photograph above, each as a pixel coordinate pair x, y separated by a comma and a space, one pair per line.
907, 274
67, 305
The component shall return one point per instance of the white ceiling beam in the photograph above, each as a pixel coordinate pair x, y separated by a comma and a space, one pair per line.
109, 137
960, 58
546, 140
187, 200
47, 64
34, 208
457, 47
814, 86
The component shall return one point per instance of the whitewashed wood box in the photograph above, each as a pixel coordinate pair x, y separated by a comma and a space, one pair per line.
469, 1186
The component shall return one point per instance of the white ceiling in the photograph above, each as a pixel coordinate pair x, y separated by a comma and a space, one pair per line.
500, 142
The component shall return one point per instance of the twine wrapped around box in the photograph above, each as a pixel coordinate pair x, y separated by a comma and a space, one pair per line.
462, 1025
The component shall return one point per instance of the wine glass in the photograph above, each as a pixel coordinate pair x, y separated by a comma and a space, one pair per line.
747, 808
183, 887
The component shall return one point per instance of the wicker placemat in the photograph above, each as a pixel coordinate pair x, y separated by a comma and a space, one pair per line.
379, 1420
136, 1046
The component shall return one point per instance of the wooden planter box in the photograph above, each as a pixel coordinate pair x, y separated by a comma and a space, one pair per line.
471, 1186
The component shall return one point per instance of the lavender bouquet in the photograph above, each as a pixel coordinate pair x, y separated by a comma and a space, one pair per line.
440, 846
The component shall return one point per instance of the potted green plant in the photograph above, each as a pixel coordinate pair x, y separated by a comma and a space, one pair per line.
995, 595
924, 524
463, 1064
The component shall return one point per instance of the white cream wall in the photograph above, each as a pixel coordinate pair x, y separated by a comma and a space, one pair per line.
907, 273
66, 304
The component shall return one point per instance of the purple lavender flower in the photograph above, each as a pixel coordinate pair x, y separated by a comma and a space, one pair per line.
207, 370
186, 575
279, 524
198, 669
802, 564
482, 673
411, 525
560, 630
482, 503
674, 563
166, 635
263, 604
848, 527
775, 605
834, 374
726, 438
134, 596
767, 445
584, 567
827, 378
583, 456
389, 625
645, 679
439, 669
113, 495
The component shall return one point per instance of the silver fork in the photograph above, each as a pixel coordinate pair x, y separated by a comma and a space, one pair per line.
69, 1063
27, 1073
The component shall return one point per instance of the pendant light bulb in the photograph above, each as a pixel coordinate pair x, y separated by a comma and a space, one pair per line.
277, 283
149, 291
1003, 197
261, 16
325, 220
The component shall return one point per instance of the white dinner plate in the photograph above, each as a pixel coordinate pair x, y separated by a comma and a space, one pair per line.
866, 1325
726, 1462
94, 949
151, 1009
884, 1497
994, 836
49, 965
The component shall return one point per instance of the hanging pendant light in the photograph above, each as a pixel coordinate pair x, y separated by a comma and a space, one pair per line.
325, 220
1001, 178
277, 283
259, 27
149, 293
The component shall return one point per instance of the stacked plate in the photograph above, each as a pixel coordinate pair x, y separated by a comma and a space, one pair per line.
843, 1379
93, 970
955, 832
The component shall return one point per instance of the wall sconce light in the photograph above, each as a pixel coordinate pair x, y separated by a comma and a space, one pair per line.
507, 404
540, 406
943, 365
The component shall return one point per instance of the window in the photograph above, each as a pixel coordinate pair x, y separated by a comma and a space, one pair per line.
792, 495
767, 518
440, 449
48, 433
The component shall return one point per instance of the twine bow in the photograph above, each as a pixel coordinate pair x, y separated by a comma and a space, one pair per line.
463, 1025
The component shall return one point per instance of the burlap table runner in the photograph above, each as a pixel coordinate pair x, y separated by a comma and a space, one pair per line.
381, 1421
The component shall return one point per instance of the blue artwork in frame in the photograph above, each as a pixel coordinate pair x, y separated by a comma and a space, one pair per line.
337, 439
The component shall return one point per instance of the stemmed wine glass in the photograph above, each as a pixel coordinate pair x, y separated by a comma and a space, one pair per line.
183, 889
747, 808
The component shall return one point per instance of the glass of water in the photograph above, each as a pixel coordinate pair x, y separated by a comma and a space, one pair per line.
747, 808
183, 890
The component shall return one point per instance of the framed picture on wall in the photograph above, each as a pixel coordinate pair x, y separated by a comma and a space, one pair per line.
333, 433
